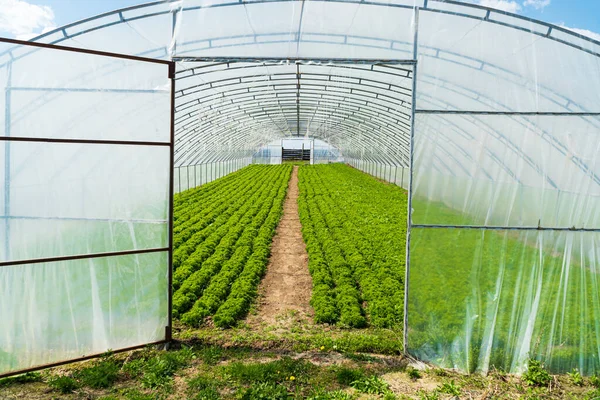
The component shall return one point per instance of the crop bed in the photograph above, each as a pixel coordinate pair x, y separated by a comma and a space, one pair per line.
354, 228
222, 239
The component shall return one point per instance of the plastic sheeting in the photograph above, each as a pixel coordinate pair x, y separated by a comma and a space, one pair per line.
504, 162
84, 167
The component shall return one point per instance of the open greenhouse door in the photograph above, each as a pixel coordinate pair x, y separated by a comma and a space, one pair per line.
87, 199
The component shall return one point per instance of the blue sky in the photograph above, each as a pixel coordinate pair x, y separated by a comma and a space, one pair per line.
24, 19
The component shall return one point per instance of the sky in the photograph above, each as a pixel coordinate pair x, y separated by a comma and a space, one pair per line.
24, 19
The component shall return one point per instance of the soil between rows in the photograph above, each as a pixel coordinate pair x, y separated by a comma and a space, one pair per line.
287, 285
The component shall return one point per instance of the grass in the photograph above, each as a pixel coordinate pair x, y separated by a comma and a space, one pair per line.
196, 371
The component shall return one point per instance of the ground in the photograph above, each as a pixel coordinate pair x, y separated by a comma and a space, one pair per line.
287, 285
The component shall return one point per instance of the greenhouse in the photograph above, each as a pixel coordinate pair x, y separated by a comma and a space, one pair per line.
488, 119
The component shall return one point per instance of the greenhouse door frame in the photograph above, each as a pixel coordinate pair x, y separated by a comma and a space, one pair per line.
7, 139
413, 62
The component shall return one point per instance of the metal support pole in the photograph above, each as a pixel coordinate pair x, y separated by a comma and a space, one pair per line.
298, 97
7, 126
169, 327
410, 184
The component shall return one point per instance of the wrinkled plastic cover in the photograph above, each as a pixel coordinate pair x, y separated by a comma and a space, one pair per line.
65, 199
492, 282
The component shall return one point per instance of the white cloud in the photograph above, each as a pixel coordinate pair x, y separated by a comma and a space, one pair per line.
584, 32
24, 20
504, 5
537, 4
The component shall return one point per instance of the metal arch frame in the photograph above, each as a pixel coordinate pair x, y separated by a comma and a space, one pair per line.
489, 12
241, 90
549, 28
556, 143
176, 11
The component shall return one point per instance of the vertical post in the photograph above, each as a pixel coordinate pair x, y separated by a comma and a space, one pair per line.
169, 328
7, 126
298, 96
411, 173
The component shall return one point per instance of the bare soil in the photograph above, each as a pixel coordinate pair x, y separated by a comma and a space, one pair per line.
287, 286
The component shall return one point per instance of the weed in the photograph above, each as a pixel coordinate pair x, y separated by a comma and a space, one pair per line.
199, 383
157, 371
425, 395
413, 373
211, 355
19, 379
134, 394
208, 393
322, 394
345, 376
595, 381
439, 372
536, 375
371, 385
592, 395
449, 388
264, 390
275, 371
63, 384
102, 374
576, 377
359, 357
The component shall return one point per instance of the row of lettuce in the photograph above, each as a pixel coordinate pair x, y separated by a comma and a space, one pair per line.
222, 239
354, 228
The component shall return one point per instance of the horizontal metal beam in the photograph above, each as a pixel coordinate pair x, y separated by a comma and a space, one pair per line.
294, 60
83, 141
81, 90
505, 228
517, 113
78, 359
82, 257
84, 51
123, 220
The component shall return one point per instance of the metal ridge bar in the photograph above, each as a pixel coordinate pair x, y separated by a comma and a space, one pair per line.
83, 141
82, 257
84, 51
505, 228
294, 60
526, 113
73, 360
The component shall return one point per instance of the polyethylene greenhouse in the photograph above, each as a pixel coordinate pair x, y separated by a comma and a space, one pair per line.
494, 115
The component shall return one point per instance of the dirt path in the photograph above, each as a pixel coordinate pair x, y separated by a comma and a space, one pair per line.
287, 286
